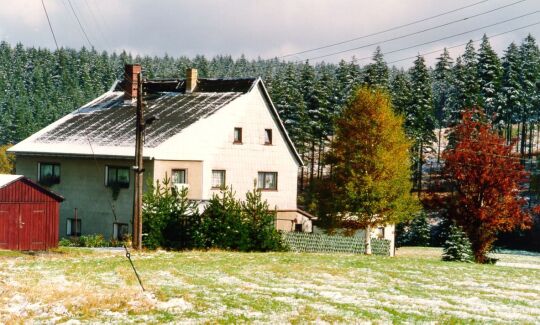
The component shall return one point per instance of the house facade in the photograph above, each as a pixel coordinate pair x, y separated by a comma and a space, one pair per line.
205, 134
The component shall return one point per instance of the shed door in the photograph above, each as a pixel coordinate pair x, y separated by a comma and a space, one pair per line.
9, 234
33, 226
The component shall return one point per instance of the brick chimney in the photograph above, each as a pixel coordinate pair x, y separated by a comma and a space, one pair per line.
131, 75
191, 79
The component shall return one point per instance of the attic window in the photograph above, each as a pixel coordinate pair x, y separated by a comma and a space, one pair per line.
48, 174
268, 136
237, 135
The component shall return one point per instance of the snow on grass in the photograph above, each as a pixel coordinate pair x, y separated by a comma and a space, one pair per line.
74, 285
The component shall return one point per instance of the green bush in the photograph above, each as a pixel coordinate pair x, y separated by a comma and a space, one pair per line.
222, 225
93, 241
170, 219
229, 223
416, 232
96, 240
457, 246
261, 223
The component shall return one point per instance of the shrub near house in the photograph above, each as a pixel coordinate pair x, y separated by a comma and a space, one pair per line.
171, 220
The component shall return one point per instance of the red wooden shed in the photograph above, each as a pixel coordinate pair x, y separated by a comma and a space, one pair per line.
28, 214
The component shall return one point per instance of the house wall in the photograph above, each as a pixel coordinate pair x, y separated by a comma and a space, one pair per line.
211, 140
82, 184
287, 220
193, 169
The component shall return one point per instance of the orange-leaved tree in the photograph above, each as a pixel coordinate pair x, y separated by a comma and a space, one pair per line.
486, 182
371, 174
7, 160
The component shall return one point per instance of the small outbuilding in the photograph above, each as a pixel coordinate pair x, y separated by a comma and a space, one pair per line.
28, 214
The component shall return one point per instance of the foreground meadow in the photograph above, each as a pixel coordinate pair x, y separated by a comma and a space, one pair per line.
83, 285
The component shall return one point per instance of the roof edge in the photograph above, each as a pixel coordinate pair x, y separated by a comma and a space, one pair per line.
260, 82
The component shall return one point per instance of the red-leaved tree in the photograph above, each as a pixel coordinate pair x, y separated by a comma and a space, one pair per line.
486, 183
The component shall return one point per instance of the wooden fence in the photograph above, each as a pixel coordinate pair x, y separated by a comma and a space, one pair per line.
320, 243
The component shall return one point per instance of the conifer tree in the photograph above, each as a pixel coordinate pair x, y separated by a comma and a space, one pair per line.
511, 95
377, 74
529, 81
470, 76
401, 92
489, 77
419, 118
457, 246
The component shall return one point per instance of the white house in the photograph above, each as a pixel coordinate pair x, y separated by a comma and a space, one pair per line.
208, 133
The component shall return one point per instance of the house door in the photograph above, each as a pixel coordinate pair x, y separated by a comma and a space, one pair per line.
23, 226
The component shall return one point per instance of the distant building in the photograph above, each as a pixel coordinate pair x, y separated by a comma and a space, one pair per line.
208, 133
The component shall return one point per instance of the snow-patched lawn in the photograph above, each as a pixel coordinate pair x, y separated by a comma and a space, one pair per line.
73, 285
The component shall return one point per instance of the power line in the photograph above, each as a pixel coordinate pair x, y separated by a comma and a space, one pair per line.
437, 40
97, 24
50, 26
462, 44
80, 25
384, 31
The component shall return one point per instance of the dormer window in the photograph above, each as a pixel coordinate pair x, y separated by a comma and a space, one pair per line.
237, 135
268, 136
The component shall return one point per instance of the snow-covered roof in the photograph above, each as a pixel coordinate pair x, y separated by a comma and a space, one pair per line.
6, 179
106, 126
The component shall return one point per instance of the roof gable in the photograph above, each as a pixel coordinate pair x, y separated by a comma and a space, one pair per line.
20, 194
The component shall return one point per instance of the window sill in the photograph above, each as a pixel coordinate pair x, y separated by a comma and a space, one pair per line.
237, 142
268, 144
267, 190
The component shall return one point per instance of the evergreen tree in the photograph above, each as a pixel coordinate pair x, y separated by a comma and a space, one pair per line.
442, 83
457, 246
489, 77
511, 95
470, 76
419, 118
529, 81
377, 74
401, 92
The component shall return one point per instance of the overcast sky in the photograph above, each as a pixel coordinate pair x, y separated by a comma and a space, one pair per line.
265, 28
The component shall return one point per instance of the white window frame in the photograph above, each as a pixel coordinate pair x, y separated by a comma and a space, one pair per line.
262, 186
224, 178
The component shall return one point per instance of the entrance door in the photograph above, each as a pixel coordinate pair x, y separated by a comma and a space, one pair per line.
9, 232
33, 228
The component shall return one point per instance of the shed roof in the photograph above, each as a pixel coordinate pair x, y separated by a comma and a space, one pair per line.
7, 179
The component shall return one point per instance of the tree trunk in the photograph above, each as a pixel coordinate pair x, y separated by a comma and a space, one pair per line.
439, 147
523, 138
367, 240
312, 170
531, 136
518, 133
319, 159
419, 179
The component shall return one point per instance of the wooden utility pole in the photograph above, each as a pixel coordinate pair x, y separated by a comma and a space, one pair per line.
138, 168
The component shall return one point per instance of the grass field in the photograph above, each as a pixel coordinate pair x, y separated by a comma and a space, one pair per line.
99, 286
